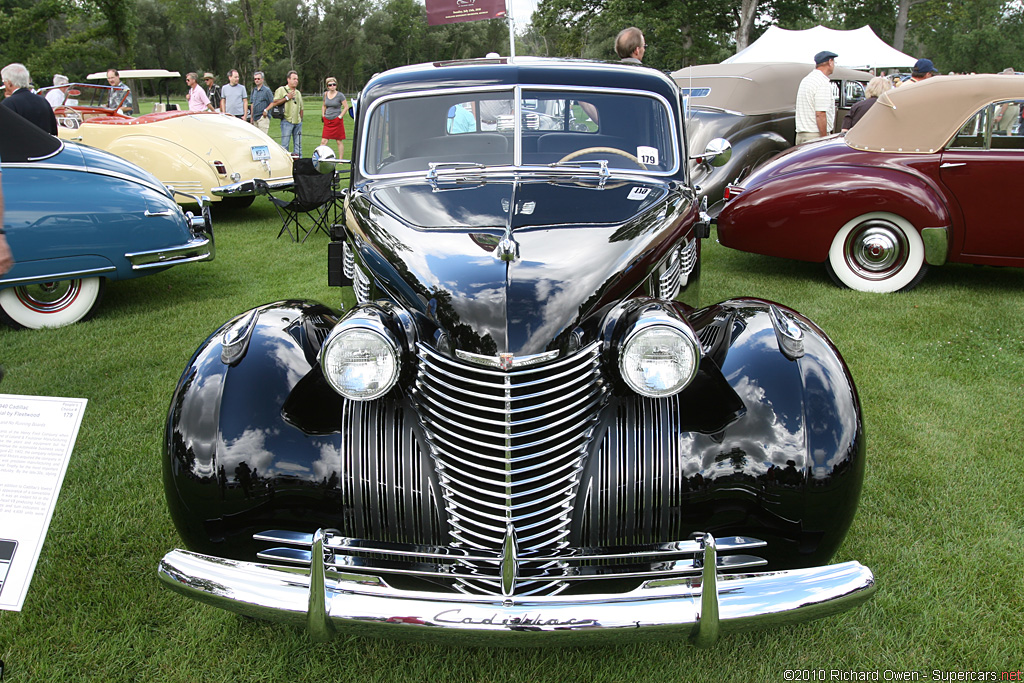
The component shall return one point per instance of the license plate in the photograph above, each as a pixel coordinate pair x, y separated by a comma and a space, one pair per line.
260, 152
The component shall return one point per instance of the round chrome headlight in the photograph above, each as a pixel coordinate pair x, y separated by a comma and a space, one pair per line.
659, 359
360, 363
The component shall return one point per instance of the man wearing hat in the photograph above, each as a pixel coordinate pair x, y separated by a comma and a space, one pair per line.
213, 93
815, 105
923, 68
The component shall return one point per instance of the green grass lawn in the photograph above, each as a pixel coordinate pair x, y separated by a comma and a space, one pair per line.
940, 372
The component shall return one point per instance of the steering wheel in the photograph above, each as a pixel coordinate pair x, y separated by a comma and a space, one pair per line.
591, 150
70, 118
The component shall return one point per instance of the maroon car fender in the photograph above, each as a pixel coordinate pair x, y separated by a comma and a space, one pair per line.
797, 215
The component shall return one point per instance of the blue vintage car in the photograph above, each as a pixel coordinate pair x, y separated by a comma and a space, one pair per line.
76, 217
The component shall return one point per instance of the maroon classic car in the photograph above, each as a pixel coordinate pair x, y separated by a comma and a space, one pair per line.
927, 176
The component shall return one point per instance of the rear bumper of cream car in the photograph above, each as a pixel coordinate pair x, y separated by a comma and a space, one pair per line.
330, 602
247, 188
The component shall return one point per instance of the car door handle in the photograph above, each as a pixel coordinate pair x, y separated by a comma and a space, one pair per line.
165, 212
950, 164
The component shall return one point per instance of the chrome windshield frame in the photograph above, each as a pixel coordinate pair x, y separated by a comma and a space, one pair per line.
517, 153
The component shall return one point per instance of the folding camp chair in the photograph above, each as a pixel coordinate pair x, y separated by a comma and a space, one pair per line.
309, 209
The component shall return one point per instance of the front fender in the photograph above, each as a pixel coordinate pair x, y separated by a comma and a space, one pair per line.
787, 469
797, 215
232, 458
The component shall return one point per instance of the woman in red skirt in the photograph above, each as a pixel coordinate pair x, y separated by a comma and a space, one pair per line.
333, 114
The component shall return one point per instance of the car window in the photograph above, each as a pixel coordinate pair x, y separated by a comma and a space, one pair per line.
972, 134
409, 134
853, 92
997, 126
625, 130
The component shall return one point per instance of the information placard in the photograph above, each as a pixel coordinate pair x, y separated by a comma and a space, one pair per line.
37, 435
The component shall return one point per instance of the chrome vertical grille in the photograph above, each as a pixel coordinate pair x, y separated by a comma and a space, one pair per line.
508, 449
387, 488
677, 273
361, 285
348, 261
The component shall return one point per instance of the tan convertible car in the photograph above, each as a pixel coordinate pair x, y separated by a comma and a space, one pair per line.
192, 153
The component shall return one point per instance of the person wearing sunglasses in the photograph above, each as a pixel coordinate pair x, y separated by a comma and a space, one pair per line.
333, 114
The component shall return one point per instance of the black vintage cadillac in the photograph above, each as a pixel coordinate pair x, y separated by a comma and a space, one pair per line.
526, 430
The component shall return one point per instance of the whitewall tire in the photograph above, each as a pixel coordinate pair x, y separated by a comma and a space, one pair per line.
877, 252
50, 304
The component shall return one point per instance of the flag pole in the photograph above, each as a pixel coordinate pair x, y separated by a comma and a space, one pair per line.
511, 29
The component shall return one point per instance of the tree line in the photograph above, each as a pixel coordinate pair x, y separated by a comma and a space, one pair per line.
353, 39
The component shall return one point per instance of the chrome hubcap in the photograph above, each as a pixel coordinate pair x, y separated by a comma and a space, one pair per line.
876, 250
49, 297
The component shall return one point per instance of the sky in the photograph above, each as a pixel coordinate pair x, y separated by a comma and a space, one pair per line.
522, 10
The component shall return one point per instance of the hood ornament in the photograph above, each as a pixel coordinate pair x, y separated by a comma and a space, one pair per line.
507, 249
506, 361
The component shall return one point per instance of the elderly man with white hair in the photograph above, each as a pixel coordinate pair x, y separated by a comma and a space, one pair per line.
20, 98
56, 96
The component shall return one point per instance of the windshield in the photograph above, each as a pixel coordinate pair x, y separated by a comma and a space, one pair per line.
88, 95
630, 131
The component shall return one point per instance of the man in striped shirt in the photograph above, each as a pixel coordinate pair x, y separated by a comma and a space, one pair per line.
815, 104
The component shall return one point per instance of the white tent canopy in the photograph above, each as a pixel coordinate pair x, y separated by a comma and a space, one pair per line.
857, 49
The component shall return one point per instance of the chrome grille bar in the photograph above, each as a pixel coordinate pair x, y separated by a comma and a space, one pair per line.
653, 552
494, 436
482, 566
559, 574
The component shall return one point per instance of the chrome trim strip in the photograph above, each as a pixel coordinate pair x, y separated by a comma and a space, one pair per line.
674, 569
196, 249
55, 277
367, 605
95, 171
647, 553
512, 361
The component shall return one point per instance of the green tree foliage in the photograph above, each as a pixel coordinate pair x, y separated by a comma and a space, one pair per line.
65, 36
353, 39
259, 33
981, 35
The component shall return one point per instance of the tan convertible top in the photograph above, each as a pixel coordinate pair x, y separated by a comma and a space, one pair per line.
754, 87
920, 118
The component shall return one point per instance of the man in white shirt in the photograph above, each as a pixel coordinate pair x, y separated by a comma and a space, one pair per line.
56, 96
815, 104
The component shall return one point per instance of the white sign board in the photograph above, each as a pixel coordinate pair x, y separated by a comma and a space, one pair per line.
37, 435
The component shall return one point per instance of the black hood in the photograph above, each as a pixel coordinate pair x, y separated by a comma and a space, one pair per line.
577, 246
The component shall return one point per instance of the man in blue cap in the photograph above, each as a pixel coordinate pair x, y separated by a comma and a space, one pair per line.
815, 105
923, 68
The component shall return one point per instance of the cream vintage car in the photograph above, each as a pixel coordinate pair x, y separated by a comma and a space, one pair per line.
194, 153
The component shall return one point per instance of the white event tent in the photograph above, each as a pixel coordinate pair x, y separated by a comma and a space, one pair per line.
857, 49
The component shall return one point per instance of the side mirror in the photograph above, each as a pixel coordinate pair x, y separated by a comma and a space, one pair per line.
324, 160
717, 153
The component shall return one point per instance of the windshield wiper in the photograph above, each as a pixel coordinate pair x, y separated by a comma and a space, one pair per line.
599, 165
450, 165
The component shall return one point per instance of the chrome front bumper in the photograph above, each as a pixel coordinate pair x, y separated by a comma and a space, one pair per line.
247, 188
329, 602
